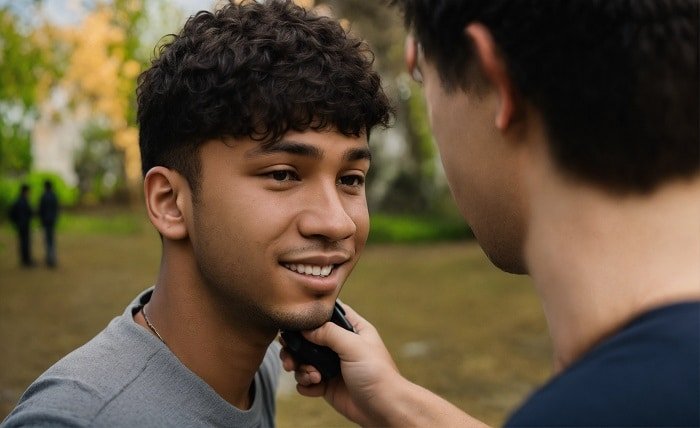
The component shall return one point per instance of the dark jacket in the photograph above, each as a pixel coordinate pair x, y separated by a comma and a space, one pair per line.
48, 208
21, 213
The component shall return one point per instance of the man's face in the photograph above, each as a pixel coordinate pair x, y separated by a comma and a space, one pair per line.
481, 169
277, 230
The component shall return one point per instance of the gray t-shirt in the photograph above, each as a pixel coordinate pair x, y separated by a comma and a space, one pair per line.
126, 377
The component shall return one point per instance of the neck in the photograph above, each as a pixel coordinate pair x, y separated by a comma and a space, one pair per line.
217, 346
598, 260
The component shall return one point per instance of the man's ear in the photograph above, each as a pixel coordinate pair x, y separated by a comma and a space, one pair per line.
165, 191
495, 71
410, 57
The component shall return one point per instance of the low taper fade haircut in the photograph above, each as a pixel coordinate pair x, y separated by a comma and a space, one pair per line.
256, 70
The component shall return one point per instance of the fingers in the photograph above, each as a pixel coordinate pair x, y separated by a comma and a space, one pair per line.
334, 337
312, 391
288, 363
307, 375
364, 357
348, 345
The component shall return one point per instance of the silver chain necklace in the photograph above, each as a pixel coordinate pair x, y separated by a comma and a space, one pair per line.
148, 323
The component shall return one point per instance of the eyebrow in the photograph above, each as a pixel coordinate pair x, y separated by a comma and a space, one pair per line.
357, 154
286, 146
308, 150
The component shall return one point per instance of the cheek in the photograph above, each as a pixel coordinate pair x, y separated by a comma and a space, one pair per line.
229, 220
459, 188
449, 130
454, 161
437, 105
460, 176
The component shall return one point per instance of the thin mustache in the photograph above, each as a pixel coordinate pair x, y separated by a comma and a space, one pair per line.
319, 248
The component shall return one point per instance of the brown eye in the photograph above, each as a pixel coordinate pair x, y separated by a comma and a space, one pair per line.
351, 180
283, 175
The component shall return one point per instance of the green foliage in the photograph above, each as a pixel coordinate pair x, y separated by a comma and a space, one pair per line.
26, 62
19, 58
16, 94
424, 149
15, 148
98, 165
132, 17
8, 193
407, 229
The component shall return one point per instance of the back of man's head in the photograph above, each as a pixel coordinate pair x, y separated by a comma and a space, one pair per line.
254, 70
616, 81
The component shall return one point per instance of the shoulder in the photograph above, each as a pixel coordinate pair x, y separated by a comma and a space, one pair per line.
646, 374
79, 387
55, 401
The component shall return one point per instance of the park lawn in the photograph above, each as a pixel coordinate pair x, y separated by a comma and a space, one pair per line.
453, 322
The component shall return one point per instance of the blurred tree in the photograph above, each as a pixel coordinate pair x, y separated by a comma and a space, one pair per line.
377, 24
102, 72
99, 165
416, 186
28, 63
77, 74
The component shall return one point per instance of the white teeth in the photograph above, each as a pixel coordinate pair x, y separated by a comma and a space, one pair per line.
310, 269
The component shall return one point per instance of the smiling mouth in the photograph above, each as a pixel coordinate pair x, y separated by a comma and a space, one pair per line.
311, 270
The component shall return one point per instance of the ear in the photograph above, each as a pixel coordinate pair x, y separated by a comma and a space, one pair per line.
166, 191
495, 71
410, 57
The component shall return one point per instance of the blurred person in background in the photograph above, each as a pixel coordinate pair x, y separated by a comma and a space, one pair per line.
48, 215
568, 130
254, 169
20, 215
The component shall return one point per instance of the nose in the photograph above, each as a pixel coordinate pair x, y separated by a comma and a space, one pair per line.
325, 216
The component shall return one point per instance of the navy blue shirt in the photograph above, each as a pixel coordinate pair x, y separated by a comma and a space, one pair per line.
648, 374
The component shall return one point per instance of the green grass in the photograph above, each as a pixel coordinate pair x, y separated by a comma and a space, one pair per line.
120, 223
482, 332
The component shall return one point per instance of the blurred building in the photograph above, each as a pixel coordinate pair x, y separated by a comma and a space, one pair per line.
57, 136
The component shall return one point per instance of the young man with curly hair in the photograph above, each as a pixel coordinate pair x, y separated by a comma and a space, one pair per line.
568, 130
254, 123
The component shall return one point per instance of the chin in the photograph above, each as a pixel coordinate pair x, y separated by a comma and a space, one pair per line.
308, 318
506, 258
508, 265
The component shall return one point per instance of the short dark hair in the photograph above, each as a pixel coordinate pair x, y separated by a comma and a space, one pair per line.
615, 80
254, 70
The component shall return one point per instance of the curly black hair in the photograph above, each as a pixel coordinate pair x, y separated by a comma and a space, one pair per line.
254, 70
616, 80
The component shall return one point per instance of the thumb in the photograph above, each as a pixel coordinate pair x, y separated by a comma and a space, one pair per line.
342, 341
